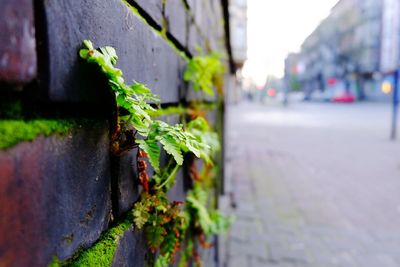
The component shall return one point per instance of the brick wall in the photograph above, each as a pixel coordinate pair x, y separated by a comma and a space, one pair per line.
61, 189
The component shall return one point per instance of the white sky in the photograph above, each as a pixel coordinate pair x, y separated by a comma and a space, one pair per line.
277, 27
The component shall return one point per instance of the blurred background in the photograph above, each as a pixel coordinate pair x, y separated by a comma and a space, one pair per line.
313, 164
327, 50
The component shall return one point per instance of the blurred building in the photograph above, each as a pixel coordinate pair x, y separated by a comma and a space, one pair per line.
238, 30
238, 39
390, 53
293, 68
352, 49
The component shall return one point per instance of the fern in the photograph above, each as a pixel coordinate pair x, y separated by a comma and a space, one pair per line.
162, 261
163, 223
208, 140
154, 236
202, 71
134, 99
140, 214
211, 222
152, 149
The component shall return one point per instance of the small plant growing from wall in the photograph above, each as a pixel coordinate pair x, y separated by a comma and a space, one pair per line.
167, 226
205, 72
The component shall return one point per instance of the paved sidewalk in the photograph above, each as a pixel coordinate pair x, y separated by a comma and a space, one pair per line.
314, 185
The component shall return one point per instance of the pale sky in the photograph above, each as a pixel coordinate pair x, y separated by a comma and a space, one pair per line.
277, 27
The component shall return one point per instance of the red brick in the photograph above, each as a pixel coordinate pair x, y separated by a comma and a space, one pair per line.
17, 41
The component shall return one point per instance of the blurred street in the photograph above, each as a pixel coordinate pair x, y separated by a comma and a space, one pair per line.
315, 184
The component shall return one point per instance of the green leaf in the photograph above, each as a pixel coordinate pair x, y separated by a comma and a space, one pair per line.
140, 214
199, 123
167, 178
110, 53
172, 147
168, 245
154, 236
162, 260
150, 146
212, 222
201, 71
88, 44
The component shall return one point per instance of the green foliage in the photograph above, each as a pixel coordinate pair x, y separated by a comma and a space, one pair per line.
210, 222
162, 222
203, 72
166, 179
150, 146
163, 260
133, 99
14, 131
141, 214
208, 139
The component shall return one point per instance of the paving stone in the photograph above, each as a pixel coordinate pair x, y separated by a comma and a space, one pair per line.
312, 212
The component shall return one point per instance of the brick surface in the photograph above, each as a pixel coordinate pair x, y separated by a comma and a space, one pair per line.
176, 17
314, 185
128, 185
172, 15
144, 56
154, 8
55, 195
131, 250
17, 41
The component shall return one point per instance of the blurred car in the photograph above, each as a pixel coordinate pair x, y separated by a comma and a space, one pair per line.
344, 97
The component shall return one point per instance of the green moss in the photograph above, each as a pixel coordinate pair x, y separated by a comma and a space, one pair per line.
181, 110
14, 131
177, 110
102, 252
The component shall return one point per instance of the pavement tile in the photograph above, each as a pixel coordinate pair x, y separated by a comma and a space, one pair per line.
316, 185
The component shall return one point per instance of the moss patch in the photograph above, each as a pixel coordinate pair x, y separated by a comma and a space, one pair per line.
102, 252
14, 131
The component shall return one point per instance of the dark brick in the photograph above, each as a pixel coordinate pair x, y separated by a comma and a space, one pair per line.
195, 39
153, 8
128, 186
55, 195
177, 193
144, 55
200, 14
176, 16
173, 15
192, 95
209, 256
17, 41
131, 250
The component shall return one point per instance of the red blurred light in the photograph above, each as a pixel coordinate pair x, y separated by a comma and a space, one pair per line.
332, 81
271, 92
